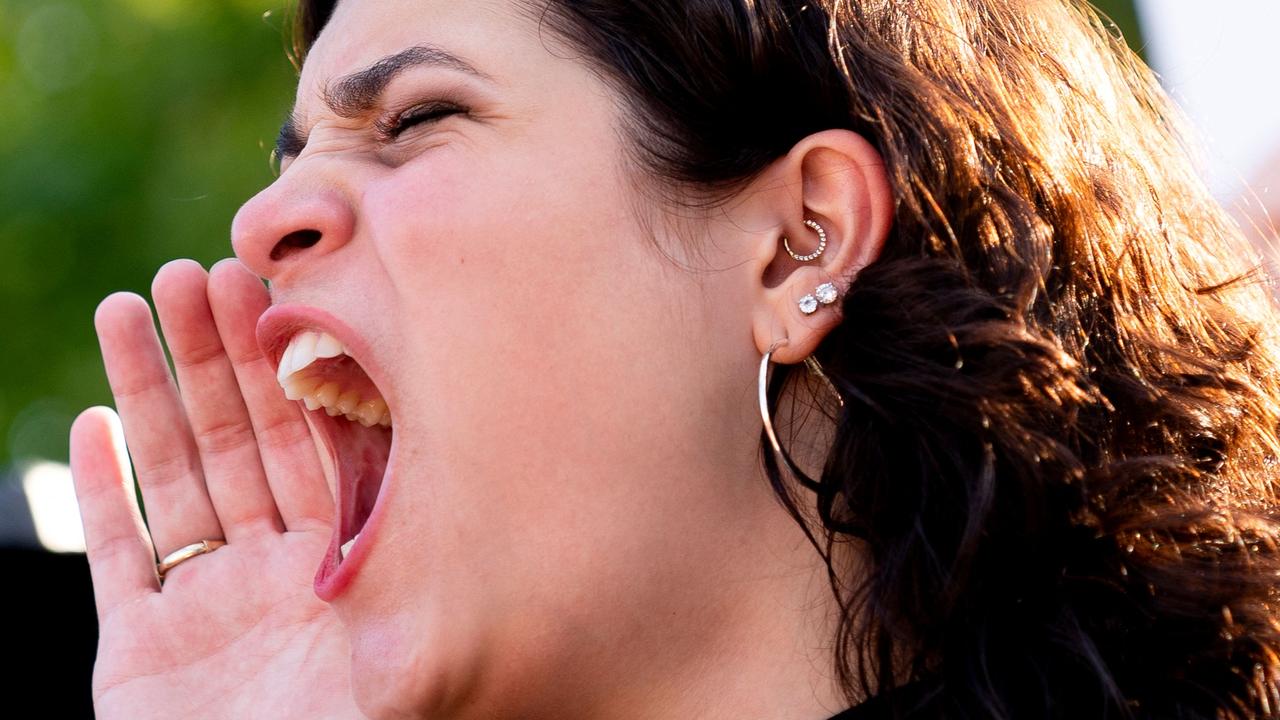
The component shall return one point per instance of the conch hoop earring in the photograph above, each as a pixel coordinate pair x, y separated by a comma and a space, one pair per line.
822, 243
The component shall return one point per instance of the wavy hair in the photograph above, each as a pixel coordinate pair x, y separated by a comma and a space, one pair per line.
1058, 438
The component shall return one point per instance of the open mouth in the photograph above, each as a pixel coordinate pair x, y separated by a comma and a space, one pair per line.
351, 418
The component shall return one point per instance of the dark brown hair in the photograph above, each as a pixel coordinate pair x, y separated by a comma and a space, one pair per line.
1058, 440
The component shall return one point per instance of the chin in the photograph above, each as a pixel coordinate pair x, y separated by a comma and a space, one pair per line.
394, 676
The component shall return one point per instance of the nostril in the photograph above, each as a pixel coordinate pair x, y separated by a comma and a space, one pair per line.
297, 240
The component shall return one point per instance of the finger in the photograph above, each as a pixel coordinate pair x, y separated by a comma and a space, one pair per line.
122, 562
224, 436
288, 452
155, 425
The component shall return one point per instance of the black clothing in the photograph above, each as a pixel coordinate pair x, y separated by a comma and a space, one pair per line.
896, 704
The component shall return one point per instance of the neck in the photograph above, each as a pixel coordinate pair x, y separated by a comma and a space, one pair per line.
757, 645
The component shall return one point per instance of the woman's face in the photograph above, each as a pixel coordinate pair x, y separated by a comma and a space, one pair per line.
574, 440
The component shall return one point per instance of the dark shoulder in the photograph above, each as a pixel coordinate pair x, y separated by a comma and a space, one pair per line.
927, 700
912, 701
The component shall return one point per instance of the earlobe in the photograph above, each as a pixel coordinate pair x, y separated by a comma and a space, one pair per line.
835, 226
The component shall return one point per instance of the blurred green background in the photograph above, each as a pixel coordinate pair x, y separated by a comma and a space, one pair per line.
130, 131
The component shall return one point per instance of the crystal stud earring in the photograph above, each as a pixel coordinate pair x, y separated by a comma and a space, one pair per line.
825, 293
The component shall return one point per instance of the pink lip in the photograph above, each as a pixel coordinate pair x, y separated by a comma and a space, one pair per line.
275, 329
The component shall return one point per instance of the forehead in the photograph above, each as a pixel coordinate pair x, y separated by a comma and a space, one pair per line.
497, 36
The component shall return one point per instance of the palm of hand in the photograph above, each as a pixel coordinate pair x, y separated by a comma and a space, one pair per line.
238, 632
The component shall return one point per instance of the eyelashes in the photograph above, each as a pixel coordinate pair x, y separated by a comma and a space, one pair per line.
391, 127
388, 128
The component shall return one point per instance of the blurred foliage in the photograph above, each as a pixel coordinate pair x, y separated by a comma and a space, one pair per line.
1125, 16
130, 131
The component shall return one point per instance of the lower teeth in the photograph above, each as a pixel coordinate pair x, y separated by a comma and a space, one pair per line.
346, 547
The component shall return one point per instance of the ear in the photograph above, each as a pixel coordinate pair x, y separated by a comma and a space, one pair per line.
837, 179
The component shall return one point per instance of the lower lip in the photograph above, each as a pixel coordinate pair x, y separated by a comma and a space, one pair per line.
334, 577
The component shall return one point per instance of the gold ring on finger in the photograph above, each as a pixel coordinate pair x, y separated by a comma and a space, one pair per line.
182, 554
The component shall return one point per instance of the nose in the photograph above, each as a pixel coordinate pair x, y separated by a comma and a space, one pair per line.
289, 222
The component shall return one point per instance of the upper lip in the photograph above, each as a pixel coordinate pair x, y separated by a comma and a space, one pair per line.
280, 323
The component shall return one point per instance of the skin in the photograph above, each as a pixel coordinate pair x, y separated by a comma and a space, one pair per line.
576, 523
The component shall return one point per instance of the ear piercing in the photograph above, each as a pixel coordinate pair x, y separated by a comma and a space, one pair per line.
822, 243
825, 293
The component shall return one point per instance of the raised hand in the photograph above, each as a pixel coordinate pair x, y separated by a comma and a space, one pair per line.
238, 632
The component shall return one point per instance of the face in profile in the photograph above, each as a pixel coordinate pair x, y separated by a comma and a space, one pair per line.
538, 419
531, 270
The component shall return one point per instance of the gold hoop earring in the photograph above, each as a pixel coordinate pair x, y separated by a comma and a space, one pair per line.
763, 384
764, 399
822, 243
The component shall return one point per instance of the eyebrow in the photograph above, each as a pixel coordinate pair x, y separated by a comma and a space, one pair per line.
355, 94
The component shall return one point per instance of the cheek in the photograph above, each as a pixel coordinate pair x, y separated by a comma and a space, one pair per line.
543, 324
513, 250
453, 216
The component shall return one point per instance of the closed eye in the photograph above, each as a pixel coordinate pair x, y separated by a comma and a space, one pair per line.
391, 128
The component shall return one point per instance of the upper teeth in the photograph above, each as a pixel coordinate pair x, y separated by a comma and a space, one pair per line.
304, 349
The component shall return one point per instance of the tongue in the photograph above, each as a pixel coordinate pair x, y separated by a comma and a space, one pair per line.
357, 460
361, 459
